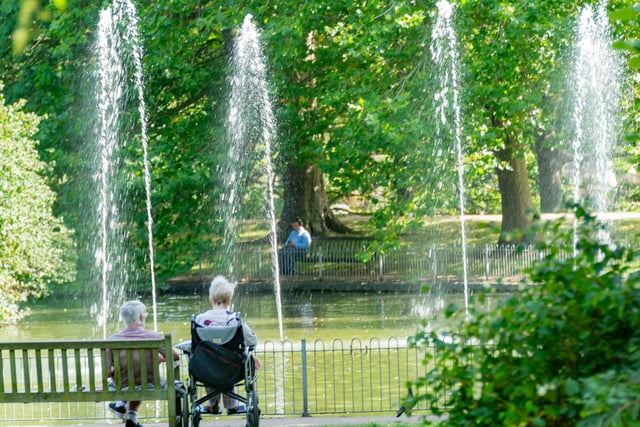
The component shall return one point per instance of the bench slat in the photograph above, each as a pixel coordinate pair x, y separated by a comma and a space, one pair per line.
1, 370
77, 360
39, 370
156, 365
103, 367
65, 371
25, 370
143, 369
92, 371
131, 364
52, 367
14, 376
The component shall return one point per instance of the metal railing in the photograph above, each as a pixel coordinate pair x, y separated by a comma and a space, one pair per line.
433, 263
337, 377
304, 379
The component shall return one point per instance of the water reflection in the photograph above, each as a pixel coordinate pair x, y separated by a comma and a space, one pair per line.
310, 315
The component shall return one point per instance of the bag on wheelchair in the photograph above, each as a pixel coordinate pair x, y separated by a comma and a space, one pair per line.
216, 366
217, 358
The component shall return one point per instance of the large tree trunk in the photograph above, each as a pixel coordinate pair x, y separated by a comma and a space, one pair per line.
515, 192
305, 198
550, 162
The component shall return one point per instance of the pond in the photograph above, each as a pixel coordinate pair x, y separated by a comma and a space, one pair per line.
354, 342
309, 315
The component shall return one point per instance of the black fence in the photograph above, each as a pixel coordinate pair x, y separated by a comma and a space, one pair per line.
304, 378
336, 261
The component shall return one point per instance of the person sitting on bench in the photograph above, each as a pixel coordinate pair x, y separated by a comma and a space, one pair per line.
133, 314
295, 247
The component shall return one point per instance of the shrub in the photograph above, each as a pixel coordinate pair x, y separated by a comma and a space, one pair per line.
36, 250
559, 351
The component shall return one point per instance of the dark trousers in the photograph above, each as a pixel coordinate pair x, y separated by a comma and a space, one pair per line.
287, 258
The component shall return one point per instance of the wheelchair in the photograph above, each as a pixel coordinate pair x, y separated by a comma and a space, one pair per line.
218, 360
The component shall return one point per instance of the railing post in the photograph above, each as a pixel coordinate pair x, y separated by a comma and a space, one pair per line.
259, 272
486, 262
305, 393
434, 264
380, 266
319, 262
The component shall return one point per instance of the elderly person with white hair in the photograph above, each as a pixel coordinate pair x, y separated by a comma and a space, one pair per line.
133, 314
220, 296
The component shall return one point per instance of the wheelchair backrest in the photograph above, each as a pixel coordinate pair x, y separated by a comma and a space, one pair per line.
216, 334
230, 337
217, 355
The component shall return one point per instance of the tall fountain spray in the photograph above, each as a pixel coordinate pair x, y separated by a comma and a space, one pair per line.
251, 125
444, 54
595, 85
118, 50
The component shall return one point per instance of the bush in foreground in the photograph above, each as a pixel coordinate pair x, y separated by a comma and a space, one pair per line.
560, 351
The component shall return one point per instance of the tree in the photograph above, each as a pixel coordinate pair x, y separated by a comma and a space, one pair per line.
52, 73
348, 124
559, 351
184, 66
36, 249
352, 89
550, 161
511, 52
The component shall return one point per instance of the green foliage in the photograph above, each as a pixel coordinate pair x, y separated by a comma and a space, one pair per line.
561, 351
354, 83
23, 28
630, 16
35, 248
353, 90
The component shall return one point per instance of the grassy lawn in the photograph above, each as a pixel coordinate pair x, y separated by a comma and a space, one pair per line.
446, 230
442, 232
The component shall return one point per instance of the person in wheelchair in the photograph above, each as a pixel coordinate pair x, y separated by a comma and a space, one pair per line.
220, 295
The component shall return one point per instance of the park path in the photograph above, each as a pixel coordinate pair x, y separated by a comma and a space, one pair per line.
238, 421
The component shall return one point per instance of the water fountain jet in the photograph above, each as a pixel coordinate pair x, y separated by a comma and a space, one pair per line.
250, 121
595, 87
117, 46
444, 54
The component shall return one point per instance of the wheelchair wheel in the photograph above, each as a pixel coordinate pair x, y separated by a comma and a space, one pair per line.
253, 409
195, 419
184, 418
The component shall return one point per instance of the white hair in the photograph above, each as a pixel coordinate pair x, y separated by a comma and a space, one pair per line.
131, 311
221, 290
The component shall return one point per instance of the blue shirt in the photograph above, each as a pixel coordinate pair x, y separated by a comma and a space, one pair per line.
301, 238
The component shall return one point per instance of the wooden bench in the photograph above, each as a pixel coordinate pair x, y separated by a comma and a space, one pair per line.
74, 371
329, 256
340, 249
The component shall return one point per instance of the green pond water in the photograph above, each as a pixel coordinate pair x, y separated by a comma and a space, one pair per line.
309, 315
318, 317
